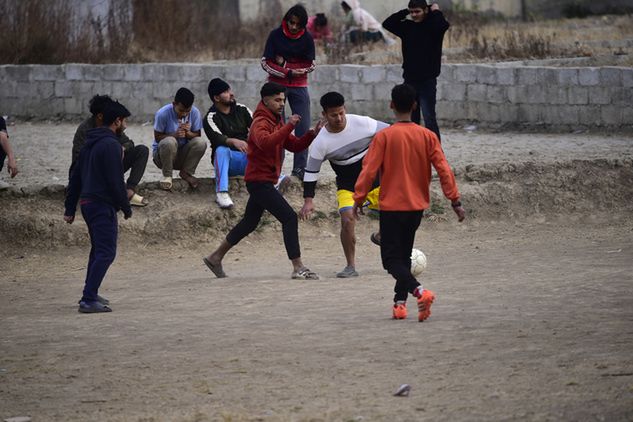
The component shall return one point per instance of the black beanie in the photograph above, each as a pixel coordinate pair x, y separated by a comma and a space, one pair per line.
216, 87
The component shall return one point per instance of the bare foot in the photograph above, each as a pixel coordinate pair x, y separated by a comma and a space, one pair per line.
193, 182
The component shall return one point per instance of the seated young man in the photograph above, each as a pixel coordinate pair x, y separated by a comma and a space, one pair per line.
134, 156
227, 125
177, 141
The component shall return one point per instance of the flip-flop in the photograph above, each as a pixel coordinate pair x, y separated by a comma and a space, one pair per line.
216, 269
138, 201
375, 239
166, 183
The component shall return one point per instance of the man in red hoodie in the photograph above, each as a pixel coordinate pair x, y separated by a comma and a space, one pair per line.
267, 140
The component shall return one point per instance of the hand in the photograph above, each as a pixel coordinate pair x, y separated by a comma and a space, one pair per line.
185, 126
299, 71
238, 144
461, 213
127, 216
307, 209
318, 127
294, 119
181, 133
13, 168
357, 210
69, 218
434, 7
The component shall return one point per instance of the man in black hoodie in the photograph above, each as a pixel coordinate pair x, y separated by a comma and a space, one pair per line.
422, 37
97, 183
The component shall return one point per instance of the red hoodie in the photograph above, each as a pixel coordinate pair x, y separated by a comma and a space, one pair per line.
267, 139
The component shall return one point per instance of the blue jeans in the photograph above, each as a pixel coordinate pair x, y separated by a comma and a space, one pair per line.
103, 228
427, 98
227, 163
299, 100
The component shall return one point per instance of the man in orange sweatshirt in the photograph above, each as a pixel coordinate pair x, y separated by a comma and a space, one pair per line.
267, 139
403, 154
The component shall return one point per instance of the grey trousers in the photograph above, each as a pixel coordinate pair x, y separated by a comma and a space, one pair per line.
169, 156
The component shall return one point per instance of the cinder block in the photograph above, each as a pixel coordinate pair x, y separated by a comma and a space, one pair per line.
627, 77
622, 97
350, 73
255, 73
361, 92
114, 72
599, 95
529, 114
382, 91
465, 73
611, 115
394, 74
373, 74
554, 94
81, 89
486, 74
568, 115
19, 73
47, 73
527, 76
507, 114
547, 75
45, 89
578, 95
191, 73
74, 72
447, 73
568, 77
63, 89
121, 90
476, 92
143, 90
172, 72
452, 110
73, 106
133, 72
237, 73
496, 94
535, 94
452, 92
589, 115
611, 76
506, 75
93, 72
589, 76
517, 94
152, 72
8, 91
325, 74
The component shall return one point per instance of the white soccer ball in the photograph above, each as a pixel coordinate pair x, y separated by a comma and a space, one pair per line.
418, 262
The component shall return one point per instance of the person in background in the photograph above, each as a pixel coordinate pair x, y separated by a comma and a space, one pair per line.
134, 156
361, 26
421, 28
6, 152
177, 141
288, 59
319, 28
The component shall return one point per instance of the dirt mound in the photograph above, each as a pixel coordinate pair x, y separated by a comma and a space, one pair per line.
33, 216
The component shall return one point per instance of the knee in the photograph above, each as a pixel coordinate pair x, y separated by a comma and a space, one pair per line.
168, 144
142, 151
290, 220
223, 153
198, 144
348, 223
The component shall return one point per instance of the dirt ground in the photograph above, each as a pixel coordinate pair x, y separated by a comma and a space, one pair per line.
533, 318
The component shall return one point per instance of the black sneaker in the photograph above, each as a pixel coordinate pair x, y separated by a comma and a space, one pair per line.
95, 307
298, 173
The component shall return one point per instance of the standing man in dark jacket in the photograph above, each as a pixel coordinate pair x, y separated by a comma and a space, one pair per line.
97, 183
134, 156
267, 140
422, 37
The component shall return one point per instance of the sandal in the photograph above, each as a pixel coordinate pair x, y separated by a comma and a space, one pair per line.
304, 274
166, 183
375, 238
138, 201
216, 269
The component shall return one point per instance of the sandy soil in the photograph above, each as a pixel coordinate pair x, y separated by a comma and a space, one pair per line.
533, 318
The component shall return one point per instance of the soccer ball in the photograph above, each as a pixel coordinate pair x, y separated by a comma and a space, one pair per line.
418, 262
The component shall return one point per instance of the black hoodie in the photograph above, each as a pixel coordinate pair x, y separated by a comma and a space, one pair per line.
421, 44
98, 175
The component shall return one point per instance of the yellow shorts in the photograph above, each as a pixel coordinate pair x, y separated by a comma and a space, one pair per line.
346, 200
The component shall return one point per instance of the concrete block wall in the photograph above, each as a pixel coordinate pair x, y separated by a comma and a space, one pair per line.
485, 95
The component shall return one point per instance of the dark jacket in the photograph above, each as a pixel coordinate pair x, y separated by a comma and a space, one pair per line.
219, 126
98, 174
294, 52
266, 143
421, 44
80, 138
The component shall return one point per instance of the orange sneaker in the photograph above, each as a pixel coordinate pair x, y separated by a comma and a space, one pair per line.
424, 305
399, 310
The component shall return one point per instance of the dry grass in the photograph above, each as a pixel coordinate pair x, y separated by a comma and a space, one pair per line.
158, 30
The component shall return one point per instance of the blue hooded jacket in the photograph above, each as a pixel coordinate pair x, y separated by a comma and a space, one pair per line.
98, 175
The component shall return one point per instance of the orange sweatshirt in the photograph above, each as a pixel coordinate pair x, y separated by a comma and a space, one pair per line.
404, 153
